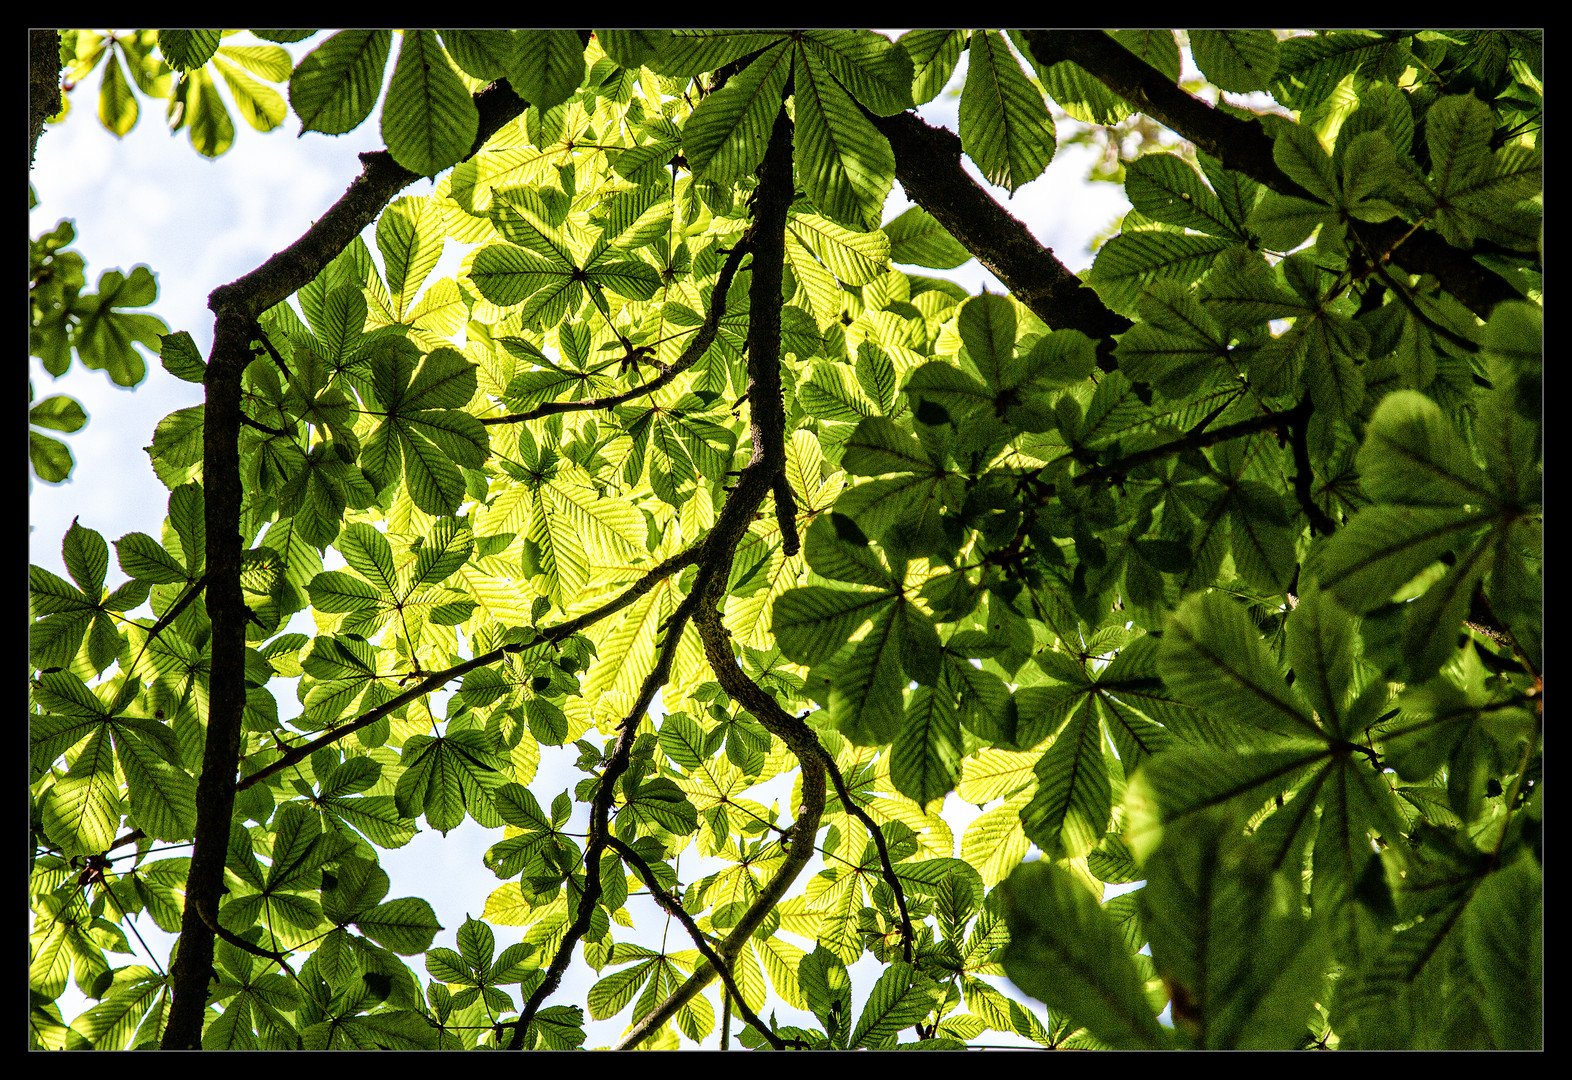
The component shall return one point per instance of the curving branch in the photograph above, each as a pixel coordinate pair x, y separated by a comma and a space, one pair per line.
279, 958
674, 908
600, 829
928, 165
767, 423
804, 745
767, 430
1244, 146
690, 356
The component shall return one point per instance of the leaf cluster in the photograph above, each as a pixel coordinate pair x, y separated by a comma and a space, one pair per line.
1238, 603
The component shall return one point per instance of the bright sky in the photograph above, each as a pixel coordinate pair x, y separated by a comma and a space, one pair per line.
150, 198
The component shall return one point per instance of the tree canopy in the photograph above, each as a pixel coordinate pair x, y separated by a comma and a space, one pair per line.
1215, 568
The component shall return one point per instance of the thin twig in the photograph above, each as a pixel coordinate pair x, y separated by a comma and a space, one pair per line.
1113, 470
260, 426
690, 356
674, 907
434, 681
886, 867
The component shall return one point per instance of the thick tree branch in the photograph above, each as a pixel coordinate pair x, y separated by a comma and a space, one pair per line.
928, 165
690, 356
1244, 146
674, 908
226, 607
236, 308
43, 85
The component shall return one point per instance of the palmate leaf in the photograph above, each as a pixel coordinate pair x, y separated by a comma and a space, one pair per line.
900, 998
1236, 60
1165, 188
1079, 93
104, 333
865, 697
546, 66
933, 54
811, 624
918, 239
1130, 262
447, 776
926, 759
1212, 657
422, 434
871, 68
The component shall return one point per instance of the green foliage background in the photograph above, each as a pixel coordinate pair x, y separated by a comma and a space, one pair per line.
1218, 572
